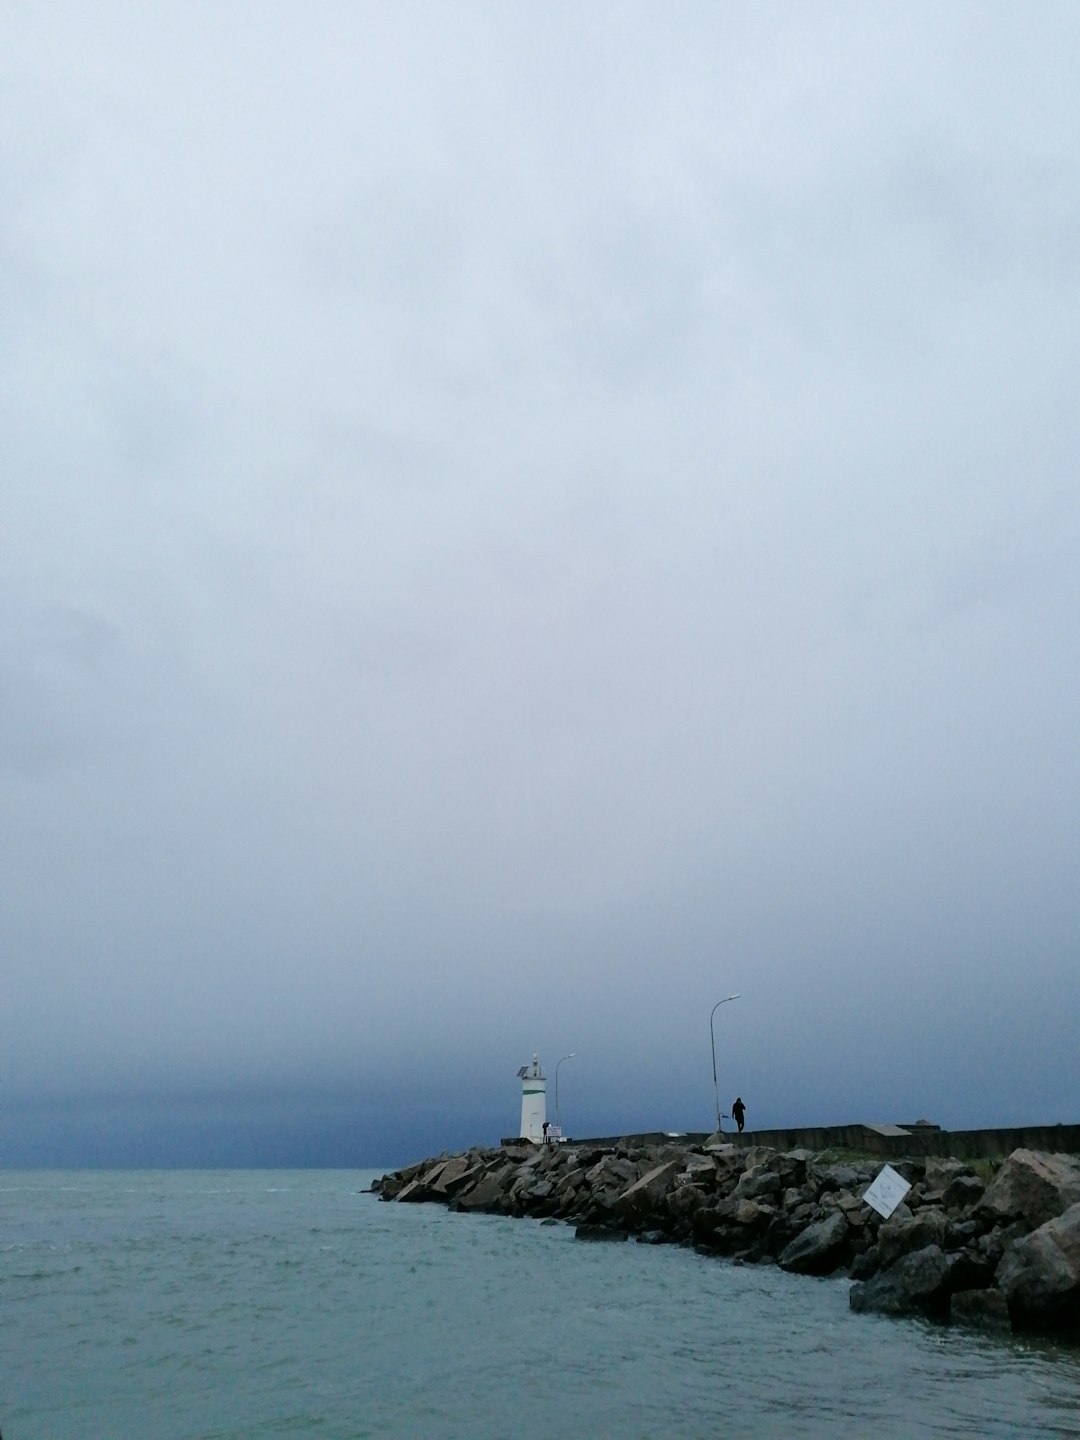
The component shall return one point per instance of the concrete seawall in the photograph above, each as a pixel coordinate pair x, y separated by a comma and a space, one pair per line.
888, 1141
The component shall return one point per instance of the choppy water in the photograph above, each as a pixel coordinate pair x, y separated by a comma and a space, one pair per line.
225, 1305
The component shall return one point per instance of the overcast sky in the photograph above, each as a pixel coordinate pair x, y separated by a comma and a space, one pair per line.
520, 521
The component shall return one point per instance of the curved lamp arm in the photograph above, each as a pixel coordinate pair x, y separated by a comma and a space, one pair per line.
712, 1037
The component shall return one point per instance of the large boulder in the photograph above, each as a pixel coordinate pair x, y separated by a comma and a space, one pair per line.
611, 1170
570, 1182
866, 1263
836, 1177
1034, 1186
962, 1192
752, 1213
899, 1236
819, 1249
918, 1284
981, 1309
685, 1199
425, 1182
791, 1167
489, 1193
756, 1184
705, 1221
940, 1171
596, 1231
969, 1270
394, 1183
697, 1170
1039, 1275
758, 1157
455, 1175
649, 1193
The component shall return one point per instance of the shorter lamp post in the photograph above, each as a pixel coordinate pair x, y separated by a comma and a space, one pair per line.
558, 1131
712, 1036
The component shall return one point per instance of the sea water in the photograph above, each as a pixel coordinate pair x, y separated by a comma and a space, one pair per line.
222, 1305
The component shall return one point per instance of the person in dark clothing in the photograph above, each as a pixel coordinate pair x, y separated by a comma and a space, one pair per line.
738, 1111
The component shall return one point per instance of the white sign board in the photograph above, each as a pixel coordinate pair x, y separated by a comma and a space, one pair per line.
886, 1192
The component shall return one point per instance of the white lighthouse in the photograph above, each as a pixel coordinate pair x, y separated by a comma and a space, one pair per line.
533, 1101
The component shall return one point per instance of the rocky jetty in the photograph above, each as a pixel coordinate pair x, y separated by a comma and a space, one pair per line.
997, 1250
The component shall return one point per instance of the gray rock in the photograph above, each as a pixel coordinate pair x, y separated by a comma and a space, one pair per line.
803, 1215
588, 1158
612, 1170
756, 1183
752, 1213
835, 1177
819, 1249
780, 1233
604, 1199
527, 1166
426, 1184
757, 1204
685, 1200
651, 1190
1040, 1275
991, 1245
940, 1172
962, 1191
489, 1193
570, 1182
791, 1167
758, 1157
866, 1264
968, 1270
704, 1222
592, 1231
699, 1167
411, 1178
897, 1236
916, 1285
1034, 1186
456, 1174
959, 1233
913, 1170
981, 1310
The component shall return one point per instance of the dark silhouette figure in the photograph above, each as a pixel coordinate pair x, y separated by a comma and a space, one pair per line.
738, 1111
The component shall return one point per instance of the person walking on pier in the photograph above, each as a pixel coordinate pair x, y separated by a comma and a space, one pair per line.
738, 1112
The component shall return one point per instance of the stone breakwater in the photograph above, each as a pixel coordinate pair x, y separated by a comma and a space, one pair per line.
997, 1250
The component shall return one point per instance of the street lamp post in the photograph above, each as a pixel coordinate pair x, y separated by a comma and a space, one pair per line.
712, 1036
558, 1131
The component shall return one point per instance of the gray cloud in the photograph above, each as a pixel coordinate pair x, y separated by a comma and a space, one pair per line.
517, 525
